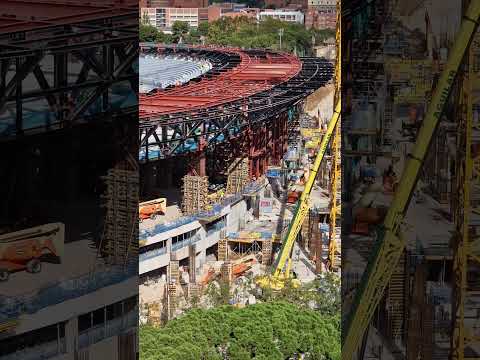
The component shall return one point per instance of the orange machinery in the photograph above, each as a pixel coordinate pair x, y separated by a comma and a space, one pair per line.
150, 209
27, 249
240, 266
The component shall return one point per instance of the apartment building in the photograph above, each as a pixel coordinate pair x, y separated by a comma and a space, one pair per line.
277, 4
283, 15
164, 18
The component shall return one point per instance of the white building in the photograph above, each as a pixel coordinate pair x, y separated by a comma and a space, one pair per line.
164, 18
283, 15
322, 2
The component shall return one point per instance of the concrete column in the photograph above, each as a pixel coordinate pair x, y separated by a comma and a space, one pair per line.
200, 258
71, 336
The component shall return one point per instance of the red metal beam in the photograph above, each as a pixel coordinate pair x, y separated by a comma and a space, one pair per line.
26, 15
252, 75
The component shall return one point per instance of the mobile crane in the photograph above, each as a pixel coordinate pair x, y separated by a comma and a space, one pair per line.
389, 243
282, 266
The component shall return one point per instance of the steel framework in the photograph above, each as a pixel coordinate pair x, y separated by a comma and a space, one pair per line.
66, 62
466, 244
251, 88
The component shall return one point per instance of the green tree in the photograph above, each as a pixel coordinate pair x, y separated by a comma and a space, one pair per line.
265, 331
148, 33
179, 30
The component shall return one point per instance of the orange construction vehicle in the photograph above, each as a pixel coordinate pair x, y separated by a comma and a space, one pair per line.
150, 209
27, 249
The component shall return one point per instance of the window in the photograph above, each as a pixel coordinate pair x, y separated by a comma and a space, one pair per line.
184, 236
151, 247
217, 224
37, 337
114, 311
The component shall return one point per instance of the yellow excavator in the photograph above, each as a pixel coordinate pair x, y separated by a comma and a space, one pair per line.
389, 243
283, 263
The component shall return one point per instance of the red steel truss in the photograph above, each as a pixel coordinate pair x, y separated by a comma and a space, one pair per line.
24, 15
254, 74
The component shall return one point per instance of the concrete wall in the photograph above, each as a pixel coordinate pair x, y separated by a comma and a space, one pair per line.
233, 214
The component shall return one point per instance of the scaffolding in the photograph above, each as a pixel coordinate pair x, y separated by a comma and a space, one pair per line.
267, 252
195, 194
119, 243
466, 288
173, 272
238, 175
222, 250
171, 300
192, 254
226, 272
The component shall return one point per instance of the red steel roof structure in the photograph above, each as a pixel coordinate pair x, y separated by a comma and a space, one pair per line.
252, 75
24, 15
65, 62
244, 89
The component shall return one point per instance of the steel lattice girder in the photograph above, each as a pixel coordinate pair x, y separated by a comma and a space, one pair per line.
255, 72
172, 134
83, 55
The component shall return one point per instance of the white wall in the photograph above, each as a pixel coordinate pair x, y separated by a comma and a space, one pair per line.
234, 214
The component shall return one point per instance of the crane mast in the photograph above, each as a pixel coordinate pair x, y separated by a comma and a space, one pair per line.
282, 264
389, 244
336, 156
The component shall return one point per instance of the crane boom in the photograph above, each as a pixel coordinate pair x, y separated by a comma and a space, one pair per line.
389, 244
303, 205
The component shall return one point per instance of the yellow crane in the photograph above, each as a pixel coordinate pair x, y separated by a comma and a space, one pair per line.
281, 269
336, 169
390, 244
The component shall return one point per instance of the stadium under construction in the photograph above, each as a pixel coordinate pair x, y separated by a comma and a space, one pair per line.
222, 165
68, 124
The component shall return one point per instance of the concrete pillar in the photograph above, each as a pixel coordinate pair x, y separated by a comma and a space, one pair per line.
192, 252
200, 258
71, 337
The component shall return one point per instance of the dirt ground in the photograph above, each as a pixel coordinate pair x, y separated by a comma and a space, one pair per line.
322, 100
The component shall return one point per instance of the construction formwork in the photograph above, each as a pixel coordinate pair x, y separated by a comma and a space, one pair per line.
171, 300
226, 272
173, 272
238, 175
154, 314
195, 194
267, 252
120, 237
222, 250
192, 252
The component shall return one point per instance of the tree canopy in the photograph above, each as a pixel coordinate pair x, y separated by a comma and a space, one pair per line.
149, 33
242, 32
266, 331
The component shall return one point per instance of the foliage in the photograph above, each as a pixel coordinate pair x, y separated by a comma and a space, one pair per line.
267, 331
218, 293
149, 33
241, 32
322, 294
180, 29
246, 32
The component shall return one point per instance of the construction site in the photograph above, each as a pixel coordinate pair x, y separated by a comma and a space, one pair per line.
410, 285
69, 175
233, 187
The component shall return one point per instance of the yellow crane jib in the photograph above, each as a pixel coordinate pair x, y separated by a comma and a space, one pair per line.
281, 269
388, 246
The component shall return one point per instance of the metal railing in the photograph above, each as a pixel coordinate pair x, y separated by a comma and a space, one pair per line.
31, 302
